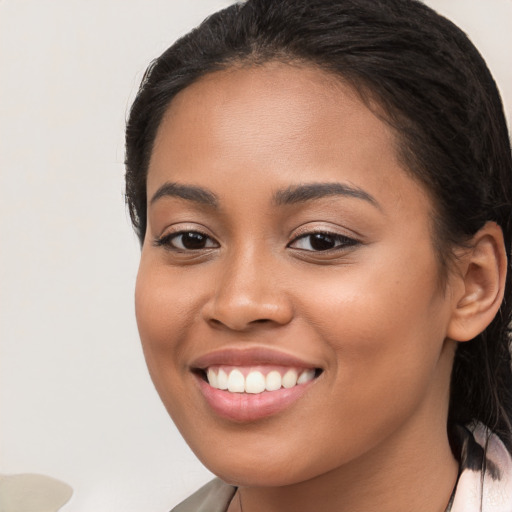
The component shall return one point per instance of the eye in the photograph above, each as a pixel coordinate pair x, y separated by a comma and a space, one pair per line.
187, 241
322, 242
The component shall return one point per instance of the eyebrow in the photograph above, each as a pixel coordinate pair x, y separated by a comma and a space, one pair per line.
307, 192
291, 195
189, 192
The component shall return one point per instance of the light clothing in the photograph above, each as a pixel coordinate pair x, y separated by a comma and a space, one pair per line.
215, 496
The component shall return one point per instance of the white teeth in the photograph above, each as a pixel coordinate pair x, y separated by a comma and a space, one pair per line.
306, 376
222, 380
273, 381
289, 379
212, 378
255, 383
236, 382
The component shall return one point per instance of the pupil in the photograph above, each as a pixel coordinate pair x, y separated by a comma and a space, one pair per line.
321, 242
193, 240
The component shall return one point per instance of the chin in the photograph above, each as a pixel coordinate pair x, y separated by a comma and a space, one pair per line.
263, 476
266, 468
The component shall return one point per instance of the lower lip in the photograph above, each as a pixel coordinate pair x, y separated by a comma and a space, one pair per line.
246, 407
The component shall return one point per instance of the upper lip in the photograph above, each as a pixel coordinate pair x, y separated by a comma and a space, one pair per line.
253, 356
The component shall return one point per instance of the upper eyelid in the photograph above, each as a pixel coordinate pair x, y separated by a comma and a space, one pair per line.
166, 242
307, 230
166, 237
324, 232
185, 227
334, 235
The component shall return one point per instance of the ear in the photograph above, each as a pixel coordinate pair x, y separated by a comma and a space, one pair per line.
483, 269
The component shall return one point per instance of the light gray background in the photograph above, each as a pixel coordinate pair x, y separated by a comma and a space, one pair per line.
76, 402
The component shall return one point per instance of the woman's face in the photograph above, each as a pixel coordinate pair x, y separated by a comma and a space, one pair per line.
286, 241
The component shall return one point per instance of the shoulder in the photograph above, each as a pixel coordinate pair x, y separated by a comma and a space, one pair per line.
486, 473
215, 496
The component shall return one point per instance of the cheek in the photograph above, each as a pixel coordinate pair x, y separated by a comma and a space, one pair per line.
165, 304
384, 340
385, 327
163, 310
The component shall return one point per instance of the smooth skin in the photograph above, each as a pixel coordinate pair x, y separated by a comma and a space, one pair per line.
365, 303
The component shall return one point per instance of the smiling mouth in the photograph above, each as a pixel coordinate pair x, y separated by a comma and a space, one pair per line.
252, 383
256, 380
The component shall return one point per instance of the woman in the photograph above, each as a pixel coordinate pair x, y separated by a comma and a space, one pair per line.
322, 190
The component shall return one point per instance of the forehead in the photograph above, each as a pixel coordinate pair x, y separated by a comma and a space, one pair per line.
275, 121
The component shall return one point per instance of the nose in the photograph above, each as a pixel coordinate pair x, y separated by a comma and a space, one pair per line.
248, 291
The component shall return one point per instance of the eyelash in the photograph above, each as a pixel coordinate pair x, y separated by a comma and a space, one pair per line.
166, 241
341, 241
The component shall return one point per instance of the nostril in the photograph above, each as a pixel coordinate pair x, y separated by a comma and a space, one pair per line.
243, 326
239, 301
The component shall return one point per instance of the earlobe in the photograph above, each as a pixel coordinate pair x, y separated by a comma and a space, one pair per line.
484, 269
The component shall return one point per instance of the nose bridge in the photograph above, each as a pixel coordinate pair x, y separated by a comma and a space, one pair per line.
249, 290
